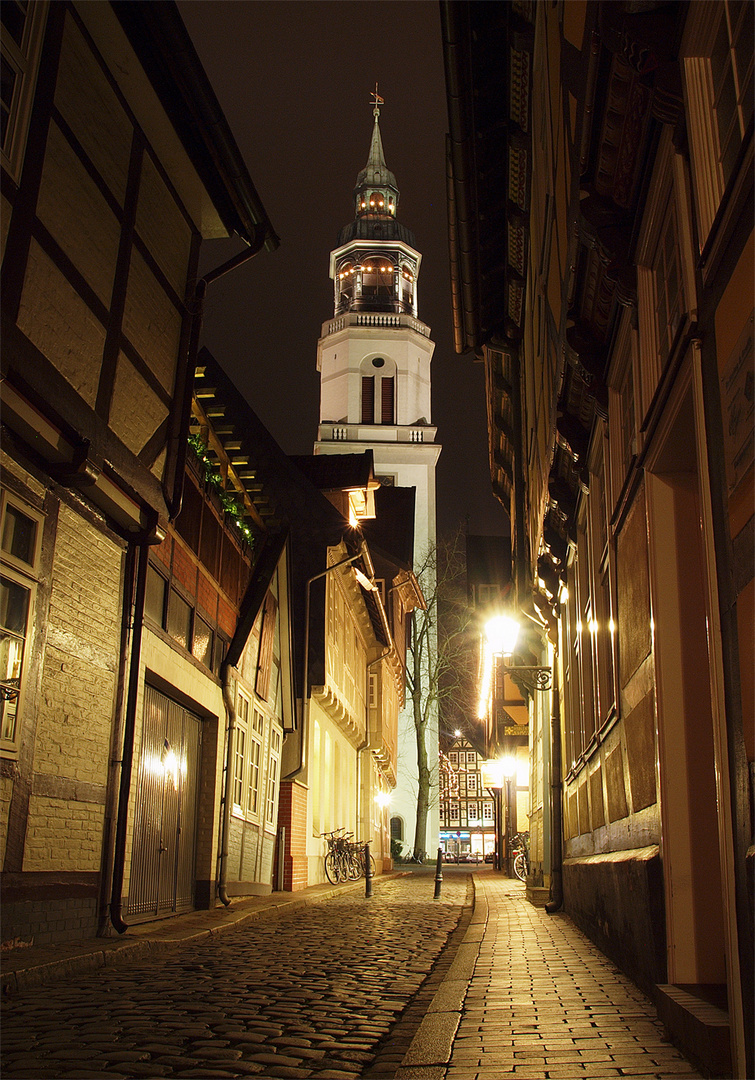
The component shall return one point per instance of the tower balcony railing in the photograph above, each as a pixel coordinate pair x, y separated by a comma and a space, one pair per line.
381, 319
376, 433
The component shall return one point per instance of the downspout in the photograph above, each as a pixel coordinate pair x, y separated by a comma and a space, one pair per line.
556, 901
180, 439
230, 708
129, 731
111, 805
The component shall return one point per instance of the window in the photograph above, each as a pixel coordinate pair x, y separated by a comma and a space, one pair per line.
453, 811
255, 756
239, 763
717, 53
731, 69
154, 601
453, 757
668, 285
22, 31
368, 400
472, 782
471, 757
272, 776
386, 401
20, 536
267, 636
487, 811
179, 619
201, 645
472, 811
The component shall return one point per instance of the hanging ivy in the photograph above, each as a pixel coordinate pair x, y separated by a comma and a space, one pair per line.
229, 499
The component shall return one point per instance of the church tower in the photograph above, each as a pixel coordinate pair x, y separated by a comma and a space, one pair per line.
374, 362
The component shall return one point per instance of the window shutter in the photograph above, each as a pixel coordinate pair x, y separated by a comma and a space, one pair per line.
386, 410
267, 636
368, 400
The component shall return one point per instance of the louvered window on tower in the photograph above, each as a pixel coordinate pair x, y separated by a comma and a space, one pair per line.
386, 401
368, 400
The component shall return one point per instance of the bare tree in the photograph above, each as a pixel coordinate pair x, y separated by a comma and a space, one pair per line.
439, 665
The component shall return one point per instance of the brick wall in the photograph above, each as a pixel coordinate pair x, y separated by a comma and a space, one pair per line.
76, 707
292, 815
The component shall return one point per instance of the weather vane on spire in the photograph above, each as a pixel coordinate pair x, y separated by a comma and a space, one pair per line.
378, 101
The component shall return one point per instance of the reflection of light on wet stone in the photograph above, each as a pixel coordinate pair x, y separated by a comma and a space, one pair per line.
310, 993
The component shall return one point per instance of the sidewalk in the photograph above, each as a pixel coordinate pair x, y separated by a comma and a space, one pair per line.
34, 965
529, 996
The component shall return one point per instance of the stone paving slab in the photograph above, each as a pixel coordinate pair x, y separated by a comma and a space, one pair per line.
542, 1003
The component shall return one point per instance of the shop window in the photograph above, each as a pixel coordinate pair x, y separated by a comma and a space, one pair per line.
20, 536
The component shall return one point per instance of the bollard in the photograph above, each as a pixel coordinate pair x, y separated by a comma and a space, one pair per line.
367, 872
438, 874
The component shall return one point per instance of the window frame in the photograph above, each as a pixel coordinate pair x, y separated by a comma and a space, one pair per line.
25, 575
25, 60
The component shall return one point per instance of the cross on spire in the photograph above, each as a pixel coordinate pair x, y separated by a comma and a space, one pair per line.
378, 100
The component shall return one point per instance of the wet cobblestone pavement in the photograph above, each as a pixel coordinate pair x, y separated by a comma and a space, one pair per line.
311, 993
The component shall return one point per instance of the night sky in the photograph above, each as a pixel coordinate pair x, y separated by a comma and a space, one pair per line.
294, 79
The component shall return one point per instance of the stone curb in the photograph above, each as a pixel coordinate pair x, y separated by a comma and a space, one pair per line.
124, 950
430, 1050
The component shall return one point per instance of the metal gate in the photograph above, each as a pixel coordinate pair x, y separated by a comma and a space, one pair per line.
165, 820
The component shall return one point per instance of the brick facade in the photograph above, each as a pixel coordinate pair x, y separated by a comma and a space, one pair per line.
292, 816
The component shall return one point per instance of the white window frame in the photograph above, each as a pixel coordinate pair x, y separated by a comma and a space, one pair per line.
24, 575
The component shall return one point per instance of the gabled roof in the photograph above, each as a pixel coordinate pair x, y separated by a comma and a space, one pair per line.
160, 40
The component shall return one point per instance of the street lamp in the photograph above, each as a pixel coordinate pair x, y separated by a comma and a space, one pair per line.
501, 633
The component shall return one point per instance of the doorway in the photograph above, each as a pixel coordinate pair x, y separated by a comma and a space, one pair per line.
165, 816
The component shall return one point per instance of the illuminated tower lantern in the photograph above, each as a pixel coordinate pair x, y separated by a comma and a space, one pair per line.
374, 362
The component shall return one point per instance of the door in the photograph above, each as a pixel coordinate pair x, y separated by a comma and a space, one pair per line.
165, 816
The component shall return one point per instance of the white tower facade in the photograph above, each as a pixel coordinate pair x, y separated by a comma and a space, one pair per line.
374, 361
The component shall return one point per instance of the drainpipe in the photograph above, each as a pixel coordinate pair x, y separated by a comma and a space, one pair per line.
129, 731
556, 901
111, 806
230, 708
179, 441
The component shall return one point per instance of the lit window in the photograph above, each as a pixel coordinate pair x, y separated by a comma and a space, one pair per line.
20, 536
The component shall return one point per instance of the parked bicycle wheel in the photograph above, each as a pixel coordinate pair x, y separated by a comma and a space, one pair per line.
354, 866
333, 869
520, 866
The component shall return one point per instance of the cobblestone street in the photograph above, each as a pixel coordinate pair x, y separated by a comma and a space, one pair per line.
311, 993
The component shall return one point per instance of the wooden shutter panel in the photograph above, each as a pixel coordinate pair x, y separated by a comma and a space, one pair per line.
368, 399
386, 403
267, 636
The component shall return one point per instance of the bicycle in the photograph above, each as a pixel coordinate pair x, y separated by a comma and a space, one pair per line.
336, 858
520, 853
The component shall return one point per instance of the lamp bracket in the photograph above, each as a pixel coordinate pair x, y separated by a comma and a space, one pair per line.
534, 678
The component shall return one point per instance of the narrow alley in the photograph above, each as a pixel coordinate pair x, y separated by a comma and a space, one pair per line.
333, 990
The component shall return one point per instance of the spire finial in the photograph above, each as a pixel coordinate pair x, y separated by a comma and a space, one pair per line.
377, 101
